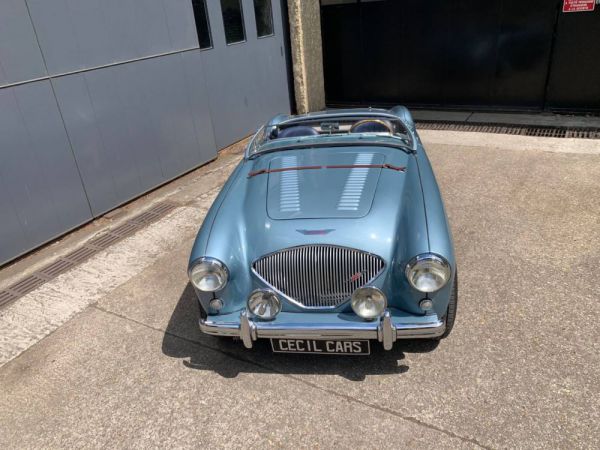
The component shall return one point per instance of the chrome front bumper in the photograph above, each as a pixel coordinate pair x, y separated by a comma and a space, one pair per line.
386, 330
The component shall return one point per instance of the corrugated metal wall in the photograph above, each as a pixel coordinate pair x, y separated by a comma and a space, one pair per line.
102, 100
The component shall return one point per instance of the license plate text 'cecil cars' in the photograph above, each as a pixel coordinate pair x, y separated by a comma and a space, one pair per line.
327, 347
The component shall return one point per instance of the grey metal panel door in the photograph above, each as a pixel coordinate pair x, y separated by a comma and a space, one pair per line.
129, 103
80, 34
137, 125
247, 81
270, 65
41, 194
20, 56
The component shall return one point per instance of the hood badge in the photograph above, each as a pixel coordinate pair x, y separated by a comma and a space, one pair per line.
316, 232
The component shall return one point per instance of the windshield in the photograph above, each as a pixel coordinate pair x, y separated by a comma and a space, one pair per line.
304, 132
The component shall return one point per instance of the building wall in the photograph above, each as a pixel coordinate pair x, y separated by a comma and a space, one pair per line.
102, 100
307, 54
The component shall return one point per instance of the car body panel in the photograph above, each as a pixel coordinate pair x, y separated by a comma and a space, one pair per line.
395, 214
243, 231
300, 194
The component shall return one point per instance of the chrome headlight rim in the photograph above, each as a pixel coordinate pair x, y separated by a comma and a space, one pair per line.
354, 306
220, 265
279, 304
428, 258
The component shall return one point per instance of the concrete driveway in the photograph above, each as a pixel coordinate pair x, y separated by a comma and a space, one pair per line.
109, 355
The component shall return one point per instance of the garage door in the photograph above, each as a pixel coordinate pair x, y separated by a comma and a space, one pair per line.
497, 54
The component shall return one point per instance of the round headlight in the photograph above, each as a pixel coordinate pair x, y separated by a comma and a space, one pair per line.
264, 304
209, 275
368, 302
428, 272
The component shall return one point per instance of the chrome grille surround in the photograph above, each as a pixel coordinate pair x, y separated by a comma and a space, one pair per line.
318, 276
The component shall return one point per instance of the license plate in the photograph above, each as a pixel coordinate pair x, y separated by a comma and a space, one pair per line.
318, 346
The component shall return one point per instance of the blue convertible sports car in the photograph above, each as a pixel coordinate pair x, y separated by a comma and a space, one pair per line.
330, 234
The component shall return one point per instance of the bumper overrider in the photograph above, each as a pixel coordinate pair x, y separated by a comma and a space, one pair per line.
393, 325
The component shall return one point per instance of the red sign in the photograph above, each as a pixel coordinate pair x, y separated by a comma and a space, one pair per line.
578, 5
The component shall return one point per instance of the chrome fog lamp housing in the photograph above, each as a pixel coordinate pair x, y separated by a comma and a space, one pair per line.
209, 274
264, 304
426, 304
428, 272
216, 304
368, 302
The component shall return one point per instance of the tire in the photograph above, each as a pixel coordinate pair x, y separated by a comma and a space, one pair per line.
451, 313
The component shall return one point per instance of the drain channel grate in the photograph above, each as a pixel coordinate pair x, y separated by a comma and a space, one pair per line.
126, 229
80, 255
150, 215
104, 241
146, 217
6, 297
56, 268
83, 253
590, 133
558, 132
163, 208
546, 132
27, 285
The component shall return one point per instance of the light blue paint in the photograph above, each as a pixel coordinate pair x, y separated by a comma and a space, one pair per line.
394, 214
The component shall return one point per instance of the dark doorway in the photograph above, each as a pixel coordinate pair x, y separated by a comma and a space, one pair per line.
497, 54
574, 82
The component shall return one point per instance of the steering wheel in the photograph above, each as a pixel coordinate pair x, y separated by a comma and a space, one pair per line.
371, 126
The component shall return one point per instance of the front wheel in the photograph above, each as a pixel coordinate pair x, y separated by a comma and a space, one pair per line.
451, 313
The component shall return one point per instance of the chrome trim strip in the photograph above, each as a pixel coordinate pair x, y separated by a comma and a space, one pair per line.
385, 330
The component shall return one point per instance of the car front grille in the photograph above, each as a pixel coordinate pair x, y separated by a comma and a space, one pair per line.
318, 276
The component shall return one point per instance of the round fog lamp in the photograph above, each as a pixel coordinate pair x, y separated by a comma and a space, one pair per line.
264, 304
368, 302
216, 304
426, 304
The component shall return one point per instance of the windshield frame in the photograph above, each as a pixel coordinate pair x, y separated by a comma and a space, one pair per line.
261, 144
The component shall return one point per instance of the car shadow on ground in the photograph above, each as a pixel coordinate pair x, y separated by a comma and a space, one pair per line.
228, 357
